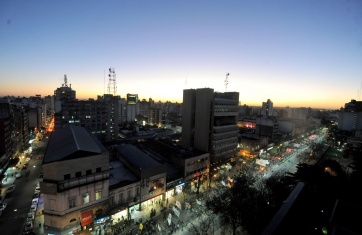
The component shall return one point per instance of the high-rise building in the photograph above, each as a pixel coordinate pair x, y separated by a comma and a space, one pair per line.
353, 106
350, 119
132, 100
267, 108
14, 132
102, 116
210, 122
62, 94
155, 116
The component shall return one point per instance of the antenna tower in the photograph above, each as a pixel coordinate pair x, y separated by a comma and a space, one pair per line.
65, 81
226, 82
112, 86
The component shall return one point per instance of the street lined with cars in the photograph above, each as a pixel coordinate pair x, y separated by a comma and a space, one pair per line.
20, 193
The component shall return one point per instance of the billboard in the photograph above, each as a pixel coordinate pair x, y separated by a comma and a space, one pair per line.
152, 186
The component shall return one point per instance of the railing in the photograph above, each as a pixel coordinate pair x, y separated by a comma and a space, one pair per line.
83, 180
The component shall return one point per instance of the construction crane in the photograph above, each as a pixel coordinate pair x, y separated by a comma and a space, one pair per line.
226, 82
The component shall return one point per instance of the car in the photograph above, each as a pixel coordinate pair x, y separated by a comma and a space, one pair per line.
35, 201
31, 216
28, 226
33, 208
36, 195
3, 206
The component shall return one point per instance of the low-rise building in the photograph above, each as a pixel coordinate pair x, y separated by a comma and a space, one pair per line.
75, 181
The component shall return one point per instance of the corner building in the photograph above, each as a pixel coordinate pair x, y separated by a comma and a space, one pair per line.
76, 181
210, 123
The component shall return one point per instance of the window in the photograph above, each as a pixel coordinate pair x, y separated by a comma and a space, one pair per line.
137, 192
98, 169
121, 199
129, 197
67, 176
88, 172
85, 198
111, 200
71, 202
98, 194
78, 174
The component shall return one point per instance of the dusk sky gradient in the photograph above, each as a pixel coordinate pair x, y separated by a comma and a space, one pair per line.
295, 53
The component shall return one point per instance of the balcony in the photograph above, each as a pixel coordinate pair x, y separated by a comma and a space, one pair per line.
80, 181
223, 129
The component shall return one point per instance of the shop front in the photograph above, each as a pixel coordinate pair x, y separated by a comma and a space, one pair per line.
119, 216
87, 220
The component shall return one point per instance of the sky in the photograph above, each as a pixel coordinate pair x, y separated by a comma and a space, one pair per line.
305, 53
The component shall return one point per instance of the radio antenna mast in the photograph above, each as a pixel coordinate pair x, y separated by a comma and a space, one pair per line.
226, 82
112, 82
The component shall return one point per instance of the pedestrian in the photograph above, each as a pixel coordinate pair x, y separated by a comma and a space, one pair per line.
39, 225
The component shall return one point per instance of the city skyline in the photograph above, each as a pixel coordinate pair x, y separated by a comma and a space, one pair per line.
297, 54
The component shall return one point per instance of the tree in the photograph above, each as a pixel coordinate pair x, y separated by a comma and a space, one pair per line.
204, 224
241, 206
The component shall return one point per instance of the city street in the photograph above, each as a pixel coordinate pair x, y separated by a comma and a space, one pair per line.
14, 216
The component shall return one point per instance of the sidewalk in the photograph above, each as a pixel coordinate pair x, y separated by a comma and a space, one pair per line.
39, 218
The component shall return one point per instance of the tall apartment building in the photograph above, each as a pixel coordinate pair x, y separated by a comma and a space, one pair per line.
155, 116
144, 107
350, 118
75, 186
49, 101
132, 102
62, 94
267, 108
210, 122
102, 116
14, 132
353, 106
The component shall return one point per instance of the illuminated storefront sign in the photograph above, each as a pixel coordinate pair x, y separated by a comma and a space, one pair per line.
87, 218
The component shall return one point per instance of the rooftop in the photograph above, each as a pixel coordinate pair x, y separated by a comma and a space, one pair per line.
71, 142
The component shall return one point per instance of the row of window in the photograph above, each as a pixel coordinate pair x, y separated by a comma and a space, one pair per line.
197, 161
79, 173
72, 201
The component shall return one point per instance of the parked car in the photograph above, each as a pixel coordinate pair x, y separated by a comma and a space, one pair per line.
36, 195
28, 227
35, 201
33, 208
31, 216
